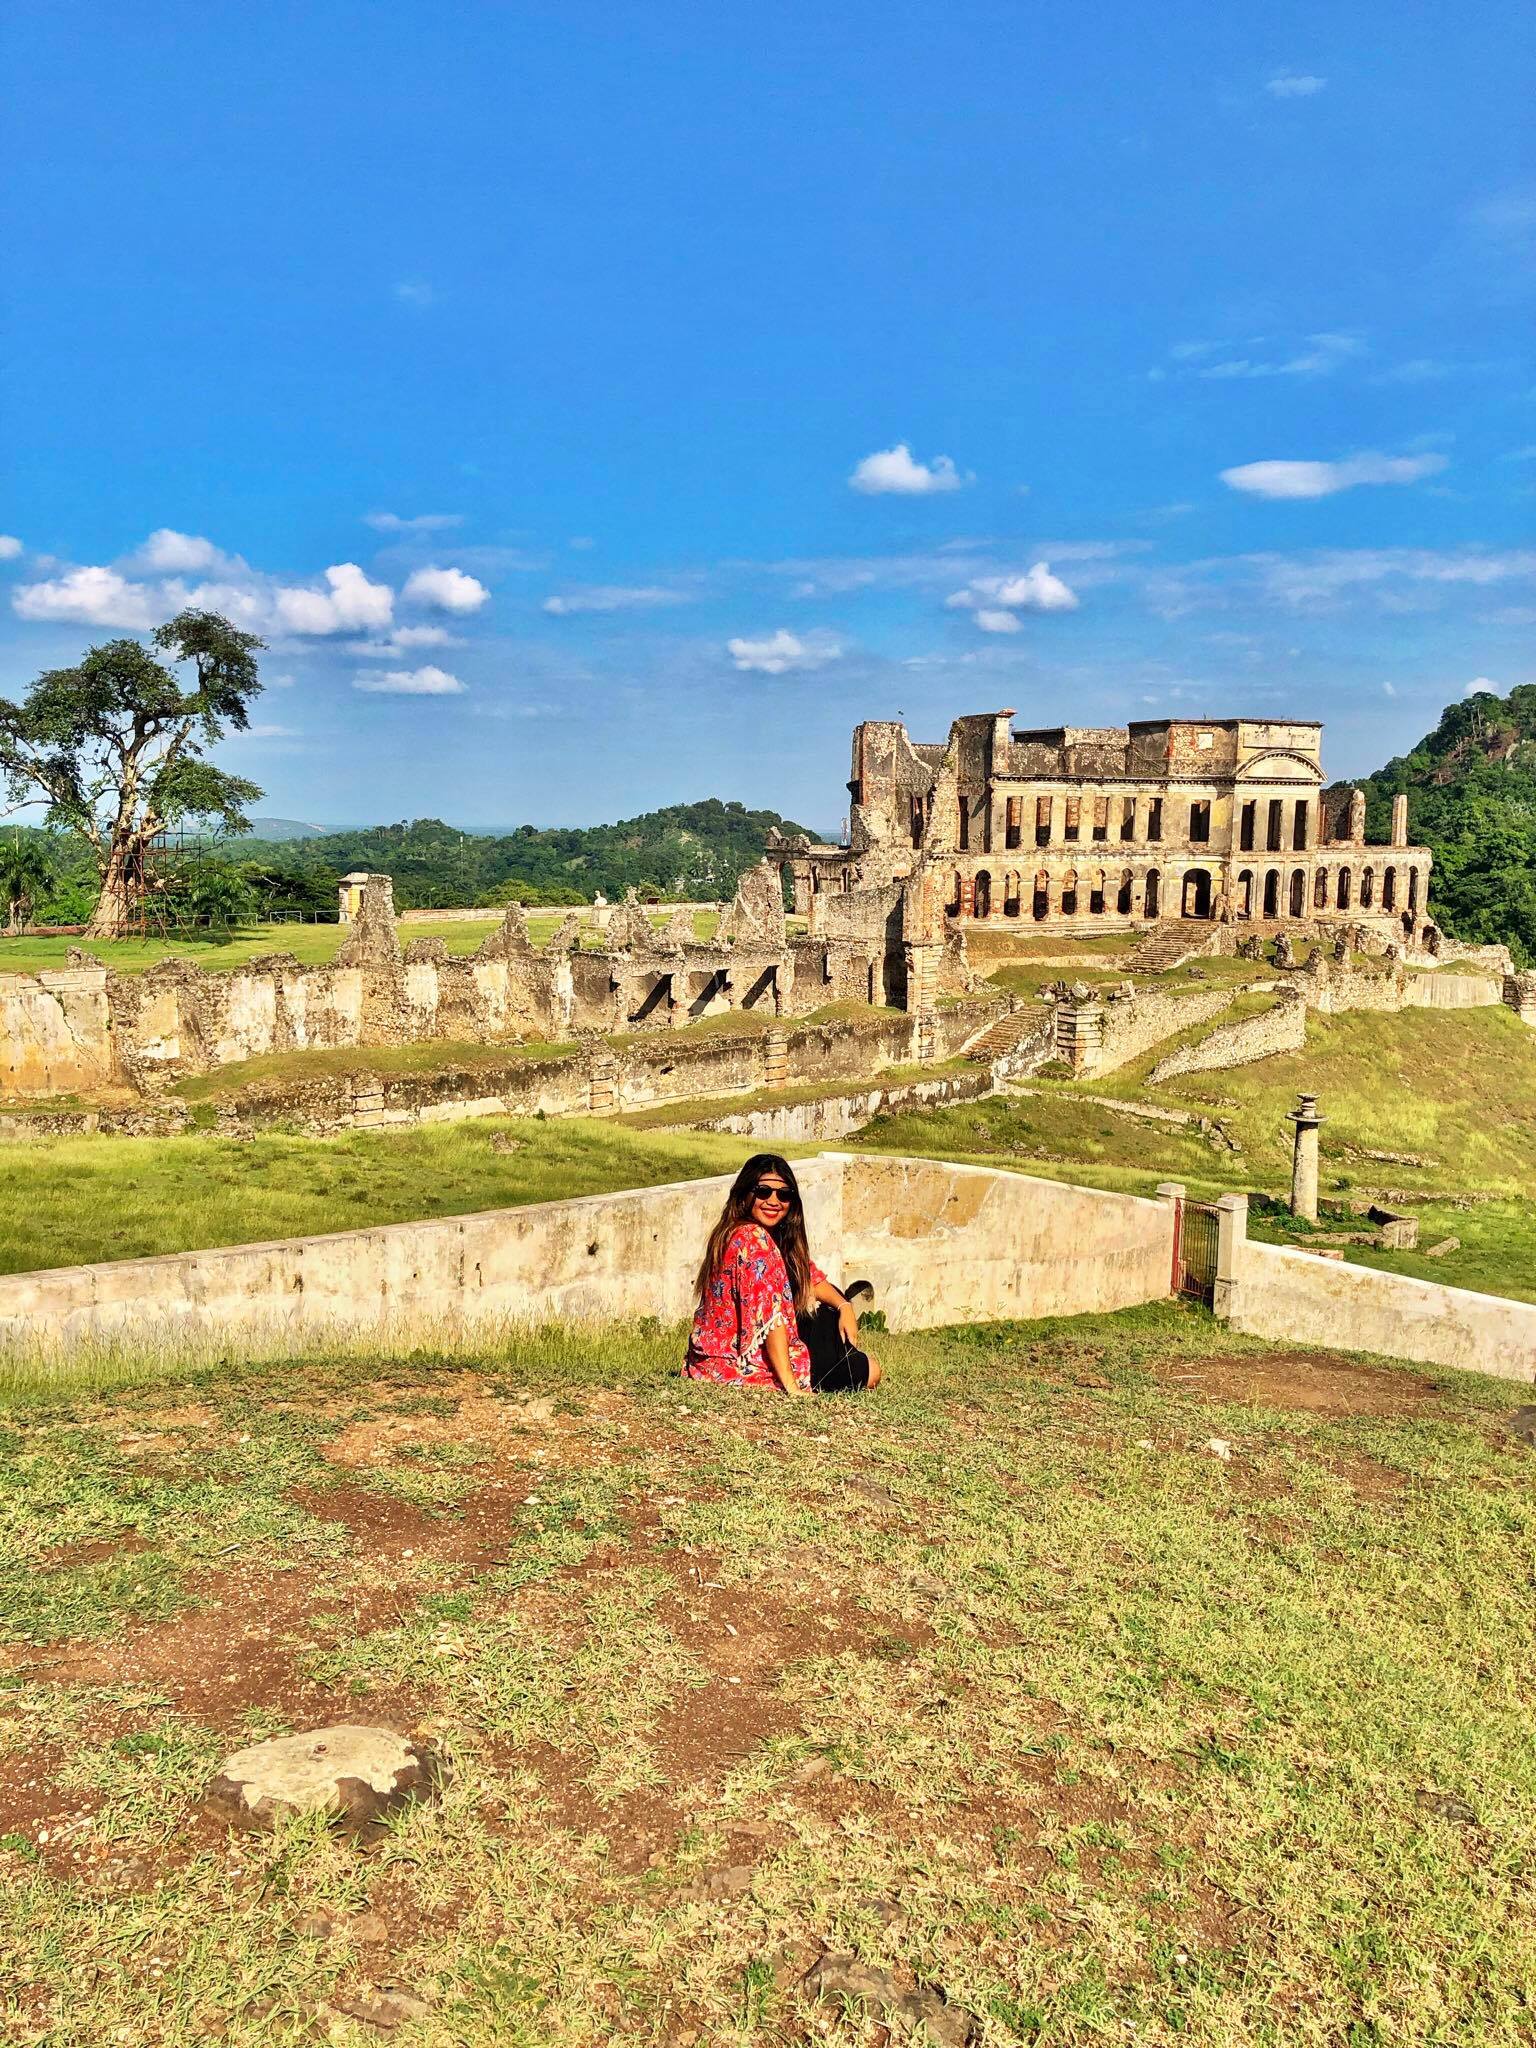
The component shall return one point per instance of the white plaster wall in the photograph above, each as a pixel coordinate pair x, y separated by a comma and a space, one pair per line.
53, 1032
1298, 1298
947, 1244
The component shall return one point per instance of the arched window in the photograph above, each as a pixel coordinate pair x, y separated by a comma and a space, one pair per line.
1245, 893
1096, 893
1271, 892
1040, 899
1154, 895
1389, 889
1010, 895
1298, 893
1342, 896
1069, 893
1413, 892
1320, 889
982, 899
1124, 898
1367, 888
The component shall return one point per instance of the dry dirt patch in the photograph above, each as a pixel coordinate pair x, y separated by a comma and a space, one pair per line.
1310, 1381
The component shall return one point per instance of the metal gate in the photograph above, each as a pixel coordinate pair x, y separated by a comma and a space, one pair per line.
1194, 1251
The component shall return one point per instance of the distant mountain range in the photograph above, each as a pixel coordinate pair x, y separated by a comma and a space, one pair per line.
276, 831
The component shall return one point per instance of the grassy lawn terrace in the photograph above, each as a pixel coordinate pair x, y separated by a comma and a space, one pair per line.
1110, 1680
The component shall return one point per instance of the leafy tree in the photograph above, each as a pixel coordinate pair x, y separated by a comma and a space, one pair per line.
27, 866
116, 747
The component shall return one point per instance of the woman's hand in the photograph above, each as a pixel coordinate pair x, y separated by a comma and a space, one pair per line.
848, 1324
776, 1350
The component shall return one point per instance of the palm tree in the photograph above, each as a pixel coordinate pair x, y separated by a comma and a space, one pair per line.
26, 869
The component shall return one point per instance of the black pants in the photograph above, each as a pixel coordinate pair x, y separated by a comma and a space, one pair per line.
837, 1367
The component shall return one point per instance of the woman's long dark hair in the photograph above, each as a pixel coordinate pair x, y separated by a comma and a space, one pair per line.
788, 1233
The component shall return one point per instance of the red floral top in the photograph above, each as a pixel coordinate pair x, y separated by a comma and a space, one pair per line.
749, 1293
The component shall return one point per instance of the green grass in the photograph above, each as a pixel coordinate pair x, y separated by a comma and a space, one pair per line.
274, 1070
1456, 1088
77, 1200
315, 945
1000, 1680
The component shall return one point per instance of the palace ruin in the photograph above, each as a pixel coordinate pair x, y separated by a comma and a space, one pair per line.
1222, 821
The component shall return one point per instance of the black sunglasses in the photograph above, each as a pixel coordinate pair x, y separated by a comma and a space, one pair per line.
764, 1193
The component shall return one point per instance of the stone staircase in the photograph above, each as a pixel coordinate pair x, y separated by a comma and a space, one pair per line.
1161, 950
1000, 1040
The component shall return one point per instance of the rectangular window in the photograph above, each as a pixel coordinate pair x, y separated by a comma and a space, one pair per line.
965, 826
1276, 840
917, 821
1247, 828
1155, 822
1101, 817
1074, 817
1013, 830
1303, 813
1128, 819
1042, 821
1200, 824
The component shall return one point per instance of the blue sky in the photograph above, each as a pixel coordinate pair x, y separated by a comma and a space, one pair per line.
597, 406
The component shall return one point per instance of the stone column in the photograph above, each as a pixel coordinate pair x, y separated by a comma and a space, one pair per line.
1231, 1236
776, 1058
1304, 1159
1400, 821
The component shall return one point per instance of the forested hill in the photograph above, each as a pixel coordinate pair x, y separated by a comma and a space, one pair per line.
690, 850
1471, 787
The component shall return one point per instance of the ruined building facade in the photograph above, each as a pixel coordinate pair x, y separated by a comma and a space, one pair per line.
1221, 820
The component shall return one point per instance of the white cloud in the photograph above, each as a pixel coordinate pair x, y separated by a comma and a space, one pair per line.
1323, 479
1389, 689
350, 604
994, 598
448, 590
612, 597
1319, 355
403, 639
780, 653
168, 552
422, 522
1294, 85
410, 682
268, 732
88, 597
896, 470
413, 291
1481, 684
10, 547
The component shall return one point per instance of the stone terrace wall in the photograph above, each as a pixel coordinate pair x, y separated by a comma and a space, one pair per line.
942, 1244
1133, 1027
55, 1033
1280, 1028
1333, 987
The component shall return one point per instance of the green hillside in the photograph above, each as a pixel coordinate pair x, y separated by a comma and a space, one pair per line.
692, 850
1471, 787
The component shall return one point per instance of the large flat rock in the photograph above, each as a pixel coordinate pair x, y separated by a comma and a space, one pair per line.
357, 1774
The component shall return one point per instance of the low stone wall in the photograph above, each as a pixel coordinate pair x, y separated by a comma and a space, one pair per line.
1133, 1027
1452, 992
947, 1243
1280, 1028
834, 1116
1293, 1296
941, 1243
54, 1033
1333, 987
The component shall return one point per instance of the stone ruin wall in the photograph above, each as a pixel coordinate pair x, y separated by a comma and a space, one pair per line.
1280, 1028
90, 1027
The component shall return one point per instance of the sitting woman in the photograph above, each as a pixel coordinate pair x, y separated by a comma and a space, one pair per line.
756, 1284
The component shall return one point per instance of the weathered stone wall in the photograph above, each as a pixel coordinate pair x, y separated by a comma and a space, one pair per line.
1297, 1298
941, 1243
1135, 1025
834, 1116
1333, 986
55, 1034
1280, 1028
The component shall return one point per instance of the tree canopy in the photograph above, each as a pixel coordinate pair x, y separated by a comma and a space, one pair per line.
115, 746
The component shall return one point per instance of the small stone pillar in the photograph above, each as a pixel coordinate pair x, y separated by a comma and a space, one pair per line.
776, 1058
1231, 1236
1400, 820
1304, 1159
